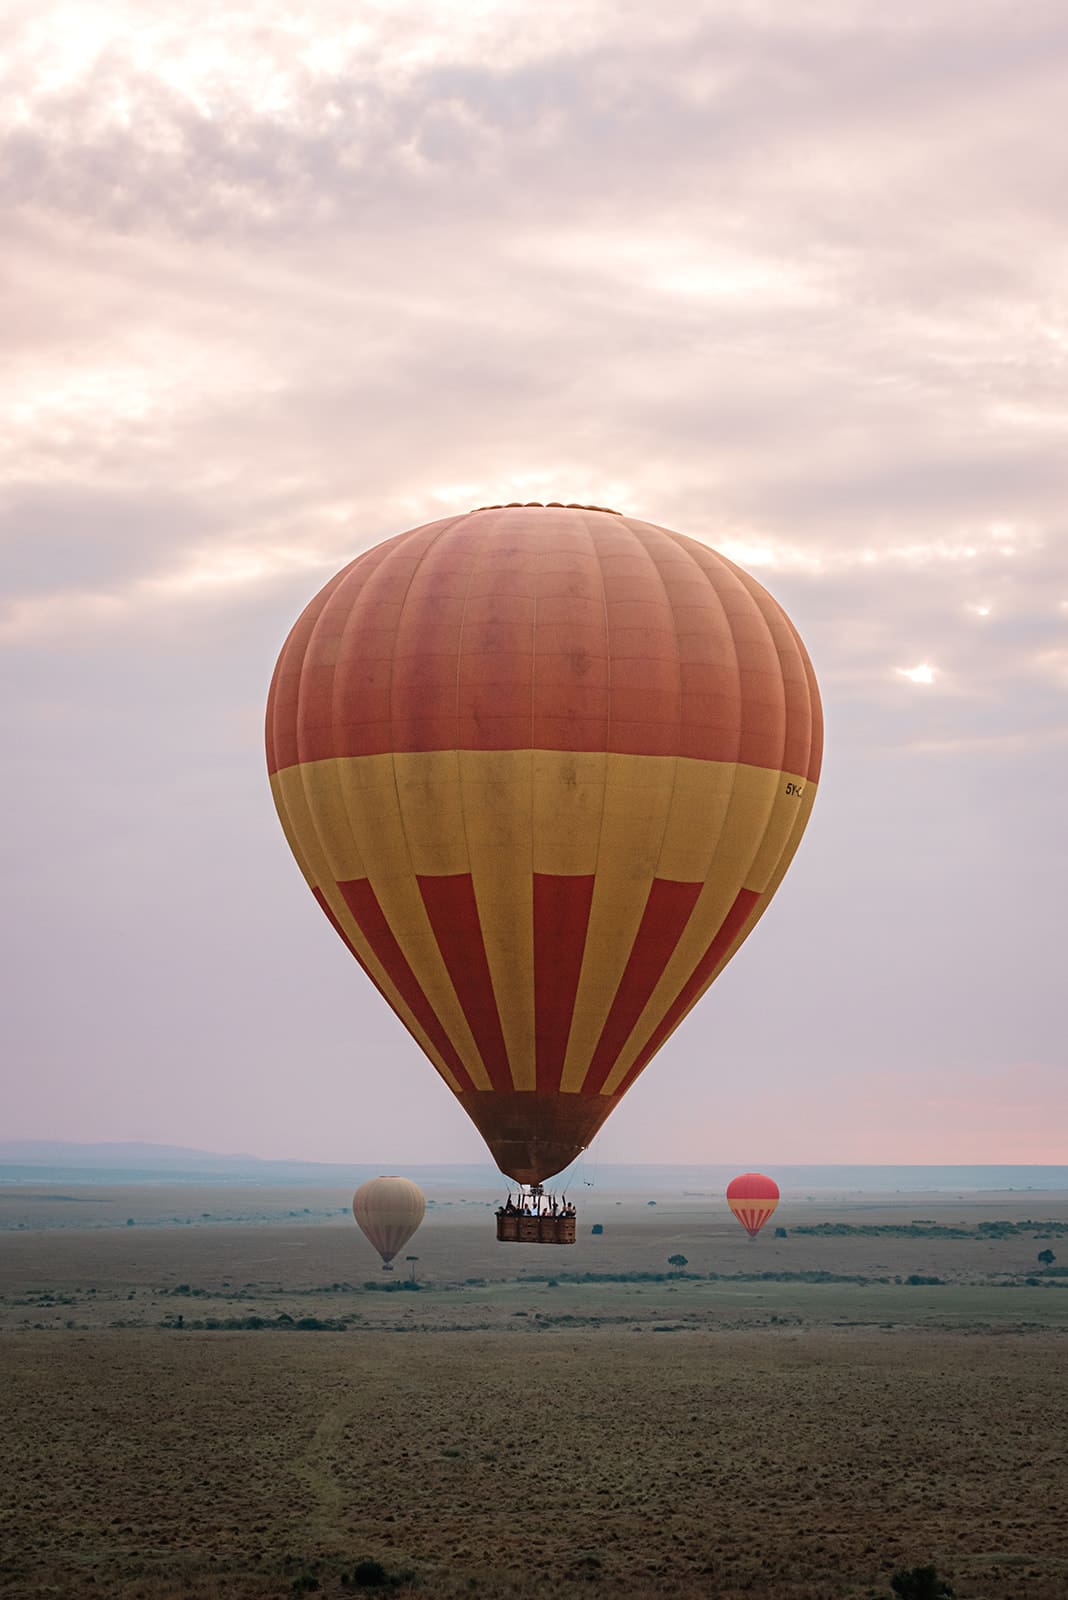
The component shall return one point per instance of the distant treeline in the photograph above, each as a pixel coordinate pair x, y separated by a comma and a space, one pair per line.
282, 1323
933, 1230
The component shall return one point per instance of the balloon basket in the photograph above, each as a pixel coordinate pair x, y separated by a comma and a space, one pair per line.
387, 1266
533, 1221
536, 1229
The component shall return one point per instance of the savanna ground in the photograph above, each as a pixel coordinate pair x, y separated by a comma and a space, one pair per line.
503, 1430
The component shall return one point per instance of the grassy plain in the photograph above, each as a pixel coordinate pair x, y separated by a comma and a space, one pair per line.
505, 1430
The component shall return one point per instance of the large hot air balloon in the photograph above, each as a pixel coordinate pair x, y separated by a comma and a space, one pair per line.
388, 1211
543, 768
752, 1197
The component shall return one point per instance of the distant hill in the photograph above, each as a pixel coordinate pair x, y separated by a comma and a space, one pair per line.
50, 1152
48, 1160
36, 1161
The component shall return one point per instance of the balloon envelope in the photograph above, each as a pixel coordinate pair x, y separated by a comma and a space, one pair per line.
543, 769
388, 1211
752, 1197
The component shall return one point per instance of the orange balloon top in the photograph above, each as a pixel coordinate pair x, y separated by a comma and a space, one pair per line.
545, 628
752, 1186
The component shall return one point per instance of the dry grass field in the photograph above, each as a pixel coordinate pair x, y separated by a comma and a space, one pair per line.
503, 1430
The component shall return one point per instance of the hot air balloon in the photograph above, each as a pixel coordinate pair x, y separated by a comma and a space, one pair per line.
752, 1197
543, 768
388, 1211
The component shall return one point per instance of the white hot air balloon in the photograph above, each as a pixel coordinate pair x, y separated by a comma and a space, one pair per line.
388, 1210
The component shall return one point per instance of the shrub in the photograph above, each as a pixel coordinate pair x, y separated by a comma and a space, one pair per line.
369, 1575
920, 1583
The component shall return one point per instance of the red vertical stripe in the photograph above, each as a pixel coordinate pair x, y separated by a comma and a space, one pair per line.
732, 925
753, 1218
667, 911
363, 903
561, 917
453, 912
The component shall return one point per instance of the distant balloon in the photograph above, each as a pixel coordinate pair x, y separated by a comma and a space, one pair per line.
388, 1211
752, 1197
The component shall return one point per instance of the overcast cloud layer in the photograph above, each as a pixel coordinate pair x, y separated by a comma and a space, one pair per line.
274, 287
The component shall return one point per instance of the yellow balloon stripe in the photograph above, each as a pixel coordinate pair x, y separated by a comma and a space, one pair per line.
498, 819
637, 803
569, 791
751, 799
430, 796
503, 815
290, 790
379, 821
787, 823
792, 841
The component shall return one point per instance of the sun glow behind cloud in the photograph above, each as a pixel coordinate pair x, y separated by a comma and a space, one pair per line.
921, 674
266, 57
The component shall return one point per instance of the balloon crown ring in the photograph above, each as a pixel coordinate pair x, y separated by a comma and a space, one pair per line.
547, 505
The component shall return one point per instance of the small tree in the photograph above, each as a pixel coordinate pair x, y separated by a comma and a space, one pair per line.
780, 1233
1046, 1257
368, 1575
678, 1262
920, 1583
412, 1260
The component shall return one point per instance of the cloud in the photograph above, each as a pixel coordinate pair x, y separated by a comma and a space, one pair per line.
279, 284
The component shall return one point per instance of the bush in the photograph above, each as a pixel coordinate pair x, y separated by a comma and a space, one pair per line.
369, 1575
920, 1583
373, 1575
780, 1233
880, 1230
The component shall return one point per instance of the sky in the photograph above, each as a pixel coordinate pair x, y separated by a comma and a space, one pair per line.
278, 283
